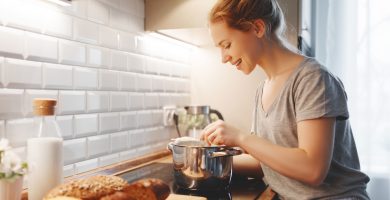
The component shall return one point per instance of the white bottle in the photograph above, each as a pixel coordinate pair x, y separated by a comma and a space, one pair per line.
44, 152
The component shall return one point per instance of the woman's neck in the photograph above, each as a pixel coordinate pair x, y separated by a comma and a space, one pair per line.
278, 61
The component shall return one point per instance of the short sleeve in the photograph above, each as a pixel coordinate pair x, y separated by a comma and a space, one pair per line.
320, 94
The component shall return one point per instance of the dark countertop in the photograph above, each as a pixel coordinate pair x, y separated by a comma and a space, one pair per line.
240, 188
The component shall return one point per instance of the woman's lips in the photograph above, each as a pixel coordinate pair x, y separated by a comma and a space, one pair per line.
237, 64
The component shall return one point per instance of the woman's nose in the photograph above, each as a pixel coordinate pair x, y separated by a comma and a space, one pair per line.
225, 58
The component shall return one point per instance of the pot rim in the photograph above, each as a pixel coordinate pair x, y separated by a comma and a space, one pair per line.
220, 147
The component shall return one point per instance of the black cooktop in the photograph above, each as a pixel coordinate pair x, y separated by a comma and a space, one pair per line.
240, 188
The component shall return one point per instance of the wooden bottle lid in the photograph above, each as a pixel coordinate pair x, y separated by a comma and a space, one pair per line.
44, 106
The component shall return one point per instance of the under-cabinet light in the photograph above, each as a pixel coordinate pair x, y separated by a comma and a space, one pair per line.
62, 2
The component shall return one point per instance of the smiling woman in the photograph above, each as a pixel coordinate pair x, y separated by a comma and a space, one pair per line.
301, 137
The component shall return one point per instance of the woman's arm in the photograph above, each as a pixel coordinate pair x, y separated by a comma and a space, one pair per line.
247, 166
309, 162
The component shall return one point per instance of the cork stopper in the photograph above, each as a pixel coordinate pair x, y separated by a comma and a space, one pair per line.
44, 107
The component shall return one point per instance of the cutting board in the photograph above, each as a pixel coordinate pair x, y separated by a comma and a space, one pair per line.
184, 197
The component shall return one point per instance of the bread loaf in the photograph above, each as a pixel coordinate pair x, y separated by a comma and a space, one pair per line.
89, 189
148, 189
110, 188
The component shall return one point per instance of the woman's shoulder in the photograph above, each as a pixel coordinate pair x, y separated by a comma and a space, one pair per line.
313, 68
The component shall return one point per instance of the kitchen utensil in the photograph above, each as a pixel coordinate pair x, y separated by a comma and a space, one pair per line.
200, 167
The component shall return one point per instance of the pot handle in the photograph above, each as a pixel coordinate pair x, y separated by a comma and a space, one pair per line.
226, 152
170, 146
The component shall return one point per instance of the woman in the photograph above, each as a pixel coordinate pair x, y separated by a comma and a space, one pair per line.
301, 138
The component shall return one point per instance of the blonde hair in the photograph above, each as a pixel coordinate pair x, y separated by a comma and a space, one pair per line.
240, 15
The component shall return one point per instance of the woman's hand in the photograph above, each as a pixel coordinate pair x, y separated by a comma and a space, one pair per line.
219, 133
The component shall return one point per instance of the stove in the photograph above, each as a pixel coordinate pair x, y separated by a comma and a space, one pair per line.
240, 188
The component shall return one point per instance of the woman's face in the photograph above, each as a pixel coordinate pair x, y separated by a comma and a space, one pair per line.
239, 48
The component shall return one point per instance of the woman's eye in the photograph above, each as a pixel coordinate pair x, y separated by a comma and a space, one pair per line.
227, 46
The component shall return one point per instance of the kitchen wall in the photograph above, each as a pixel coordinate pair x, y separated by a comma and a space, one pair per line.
110, 78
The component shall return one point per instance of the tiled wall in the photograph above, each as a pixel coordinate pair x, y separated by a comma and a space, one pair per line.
110, 78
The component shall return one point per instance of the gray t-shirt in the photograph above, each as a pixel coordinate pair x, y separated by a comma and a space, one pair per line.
311, 92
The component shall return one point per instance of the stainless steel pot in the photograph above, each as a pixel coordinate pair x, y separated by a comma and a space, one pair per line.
199, 167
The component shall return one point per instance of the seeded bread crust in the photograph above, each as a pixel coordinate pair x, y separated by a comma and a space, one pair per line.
89, 189
110, 188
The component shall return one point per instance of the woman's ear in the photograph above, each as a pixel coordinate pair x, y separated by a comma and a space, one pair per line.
259, 27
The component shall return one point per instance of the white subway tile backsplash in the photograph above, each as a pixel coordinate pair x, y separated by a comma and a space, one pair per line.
1, 72
71, 102
128, 6
58, 24
118, 19
176, 69
109, 122
11, 103
144, 150
136, 138
144, 83
22, 74
78, 8
85, 166
183, 85
128, 155
2, 128
119, 141
85, 125
112, 3
12, 42
147, 136
166, 68
85, 78
85, 31
158, 84
128, 120
57, 76
170, 85
108, 80
68, 170
72, 53
127, 81
157, 118
140, 11
98, 57
30, 95
109, 160
119, 61
75, 150
165, 100
18, 131
127, 42
145, 118
98, 145
135, 24
108, 37
41, 48
151, 101
136, 63
98, 12
65, 123
24, 15
119, 101
136, 101
98, 101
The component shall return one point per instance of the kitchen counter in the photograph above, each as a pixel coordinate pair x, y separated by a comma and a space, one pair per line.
159, 165
240, 188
